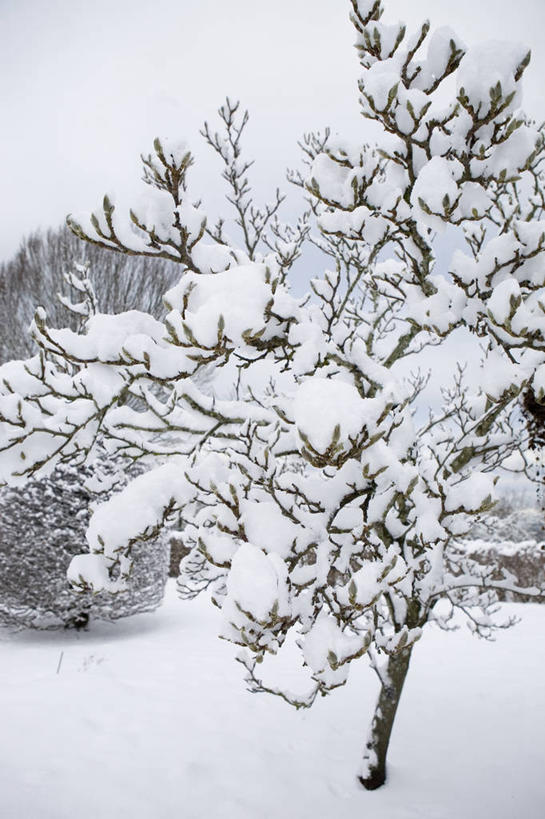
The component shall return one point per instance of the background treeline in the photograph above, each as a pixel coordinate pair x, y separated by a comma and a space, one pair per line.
35, 275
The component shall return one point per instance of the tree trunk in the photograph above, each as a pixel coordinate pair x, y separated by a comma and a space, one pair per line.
373, 772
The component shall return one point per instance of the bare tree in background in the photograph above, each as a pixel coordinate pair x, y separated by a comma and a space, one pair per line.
35, 275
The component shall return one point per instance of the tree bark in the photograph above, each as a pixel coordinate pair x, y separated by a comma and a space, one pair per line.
373, 772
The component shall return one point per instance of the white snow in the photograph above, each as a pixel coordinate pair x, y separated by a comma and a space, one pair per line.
487, 64
232, 302
504, 297
470, 493
92, 570
332, 179
137, 509
325, 645
255, 584
439, 49
175, 150
266, 526
437, 188
379, 82
365, 7
149, 719
322, 404
106, 335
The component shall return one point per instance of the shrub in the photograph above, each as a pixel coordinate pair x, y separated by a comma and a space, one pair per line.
43, 527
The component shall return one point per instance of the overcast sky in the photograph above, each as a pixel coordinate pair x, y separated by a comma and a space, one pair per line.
87, 84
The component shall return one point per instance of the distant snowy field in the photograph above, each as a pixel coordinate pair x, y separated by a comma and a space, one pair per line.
148, 719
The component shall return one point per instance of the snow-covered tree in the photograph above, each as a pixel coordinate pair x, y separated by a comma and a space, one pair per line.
318, 506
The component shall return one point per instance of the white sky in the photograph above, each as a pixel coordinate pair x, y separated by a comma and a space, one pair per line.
86, 84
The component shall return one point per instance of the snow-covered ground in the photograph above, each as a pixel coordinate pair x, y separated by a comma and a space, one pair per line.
148, 719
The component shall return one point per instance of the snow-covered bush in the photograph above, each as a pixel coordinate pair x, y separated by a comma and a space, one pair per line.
519, 524
316, 502
511, 538
522, 560
43, 525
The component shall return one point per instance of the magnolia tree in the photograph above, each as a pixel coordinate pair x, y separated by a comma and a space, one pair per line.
319, 509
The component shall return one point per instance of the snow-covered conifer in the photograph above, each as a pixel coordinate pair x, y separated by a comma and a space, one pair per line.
316, 503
